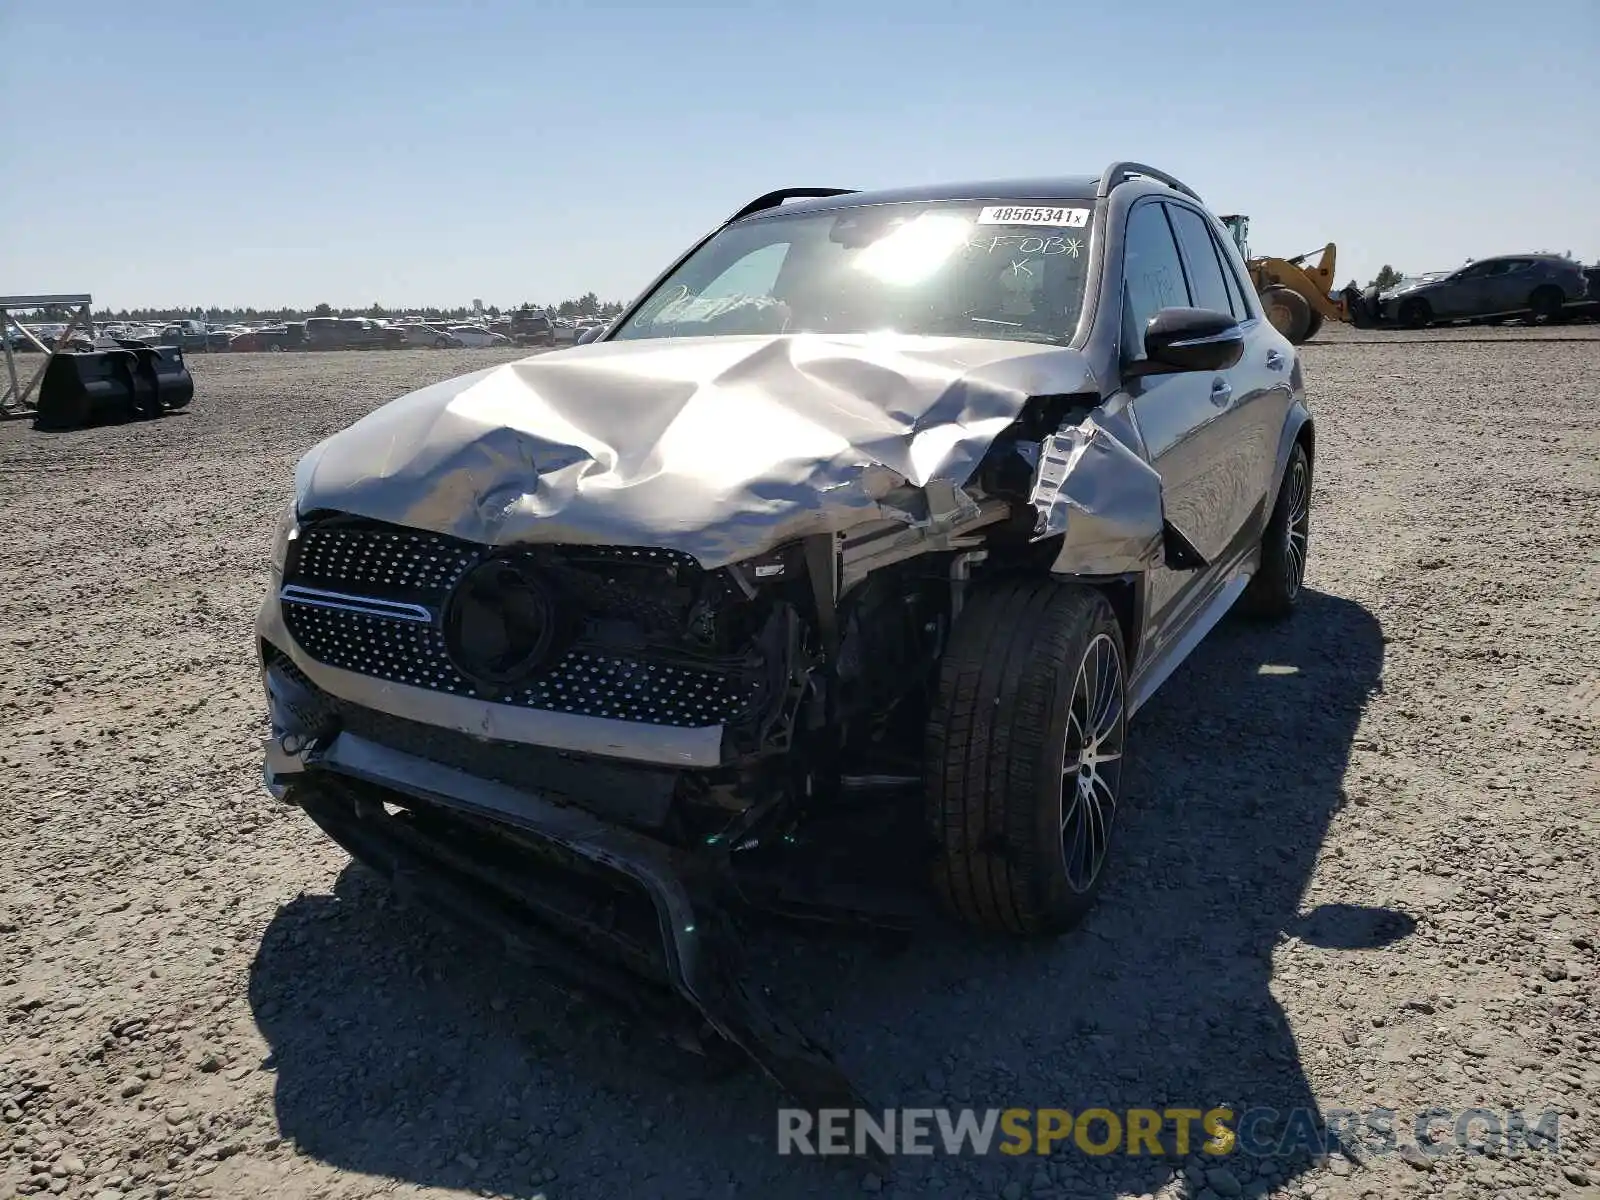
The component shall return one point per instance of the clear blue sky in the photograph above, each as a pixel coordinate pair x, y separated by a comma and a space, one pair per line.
285, 152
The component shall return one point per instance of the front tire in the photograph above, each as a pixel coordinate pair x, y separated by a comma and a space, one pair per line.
1416, 314
1276, 587
1024, 755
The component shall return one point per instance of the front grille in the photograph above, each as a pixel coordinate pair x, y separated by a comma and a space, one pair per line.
379, 557
400, 566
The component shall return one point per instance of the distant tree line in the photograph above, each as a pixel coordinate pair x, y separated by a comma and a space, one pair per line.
1386, 278
586, 305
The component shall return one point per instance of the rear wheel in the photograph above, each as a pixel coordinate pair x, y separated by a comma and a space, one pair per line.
1288, 312
1546, 304
1315, 326
1024, 755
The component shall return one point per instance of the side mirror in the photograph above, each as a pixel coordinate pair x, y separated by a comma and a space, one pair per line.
589, 335
1190, 339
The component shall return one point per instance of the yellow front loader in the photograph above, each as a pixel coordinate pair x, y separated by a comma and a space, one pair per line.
1297, 295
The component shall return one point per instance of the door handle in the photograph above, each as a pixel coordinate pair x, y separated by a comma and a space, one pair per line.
1221, 392
1275, 359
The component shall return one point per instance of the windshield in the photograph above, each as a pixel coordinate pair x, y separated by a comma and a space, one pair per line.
958, 270
1425, 277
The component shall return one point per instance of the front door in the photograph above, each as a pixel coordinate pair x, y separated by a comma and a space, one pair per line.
1174, 411
1465, 293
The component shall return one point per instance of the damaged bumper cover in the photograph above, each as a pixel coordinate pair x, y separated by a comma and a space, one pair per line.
348, 786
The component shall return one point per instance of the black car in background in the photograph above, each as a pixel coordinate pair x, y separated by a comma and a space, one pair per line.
1538, 285
351, 333
1589, 307
527, 328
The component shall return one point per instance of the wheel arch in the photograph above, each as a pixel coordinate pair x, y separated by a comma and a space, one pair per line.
1306, 435
1299, 430
1125, 594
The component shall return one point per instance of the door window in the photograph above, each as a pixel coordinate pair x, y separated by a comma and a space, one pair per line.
1240, 286
1206, 283
1152, 274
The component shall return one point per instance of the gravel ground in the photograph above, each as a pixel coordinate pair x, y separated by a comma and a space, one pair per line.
1359, 865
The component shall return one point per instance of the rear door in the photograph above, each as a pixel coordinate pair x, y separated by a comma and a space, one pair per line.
1509, 285
1242, 439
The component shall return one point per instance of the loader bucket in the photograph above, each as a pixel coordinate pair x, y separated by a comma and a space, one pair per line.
165, 369
100, 386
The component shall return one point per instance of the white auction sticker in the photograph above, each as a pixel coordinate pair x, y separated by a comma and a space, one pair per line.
1011, 214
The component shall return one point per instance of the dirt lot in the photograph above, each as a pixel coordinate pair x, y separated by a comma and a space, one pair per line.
1359, 866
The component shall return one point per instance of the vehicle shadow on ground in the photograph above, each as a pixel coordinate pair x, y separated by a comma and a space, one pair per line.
404, 1050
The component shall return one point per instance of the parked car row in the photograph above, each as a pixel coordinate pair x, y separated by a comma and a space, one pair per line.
363, 333
523, 328
366, 333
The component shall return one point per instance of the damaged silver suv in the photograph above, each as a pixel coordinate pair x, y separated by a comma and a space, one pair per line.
834, 568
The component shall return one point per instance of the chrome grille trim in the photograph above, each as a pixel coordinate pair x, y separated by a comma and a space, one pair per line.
369, 606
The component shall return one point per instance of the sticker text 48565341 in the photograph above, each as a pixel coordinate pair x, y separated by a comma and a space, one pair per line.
1016, 214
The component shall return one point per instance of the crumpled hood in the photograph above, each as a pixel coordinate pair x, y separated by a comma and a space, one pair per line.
721, 447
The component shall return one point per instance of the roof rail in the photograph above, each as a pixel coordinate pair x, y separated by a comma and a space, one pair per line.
1121, 172
773, 199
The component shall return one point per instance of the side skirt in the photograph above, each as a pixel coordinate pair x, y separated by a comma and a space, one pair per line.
1201, 621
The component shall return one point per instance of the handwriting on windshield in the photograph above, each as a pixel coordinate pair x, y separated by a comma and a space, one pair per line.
1026, 245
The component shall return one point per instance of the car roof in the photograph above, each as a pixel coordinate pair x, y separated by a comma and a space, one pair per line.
1063, 187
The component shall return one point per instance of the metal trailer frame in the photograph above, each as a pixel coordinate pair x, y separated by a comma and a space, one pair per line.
16, 401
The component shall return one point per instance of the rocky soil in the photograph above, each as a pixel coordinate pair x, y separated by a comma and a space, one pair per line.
1359, 865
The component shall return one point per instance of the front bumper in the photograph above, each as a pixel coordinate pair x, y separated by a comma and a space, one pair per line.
602, 907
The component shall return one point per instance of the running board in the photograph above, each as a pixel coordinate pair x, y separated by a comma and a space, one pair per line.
1203, 623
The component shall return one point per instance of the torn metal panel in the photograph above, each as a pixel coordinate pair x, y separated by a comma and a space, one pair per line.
1100, 498
1180, 553
719, 447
